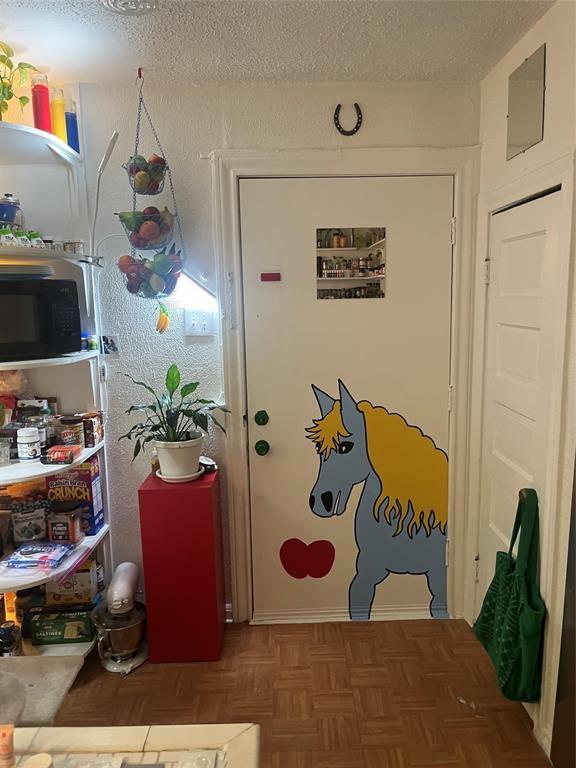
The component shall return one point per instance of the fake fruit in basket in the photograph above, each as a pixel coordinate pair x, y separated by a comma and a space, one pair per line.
148, 228
146, 176
155, 277
125, 262
141, 181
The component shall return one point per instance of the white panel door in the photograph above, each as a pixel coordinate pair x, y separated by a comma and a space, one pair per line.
521, 370
348, 507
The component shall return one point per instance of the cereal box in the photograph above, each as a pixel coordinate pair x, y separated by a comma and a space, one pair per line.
83, 486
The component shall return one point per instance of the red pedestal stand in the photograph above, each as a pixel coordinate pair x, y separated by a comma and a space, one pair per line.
183, 571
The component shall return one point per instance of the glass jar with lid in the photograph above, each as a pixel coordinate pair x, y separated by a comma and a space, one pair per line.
10, 211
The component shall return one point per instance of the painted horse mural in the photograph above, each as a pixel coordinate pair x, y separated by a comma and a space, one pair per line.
401, 517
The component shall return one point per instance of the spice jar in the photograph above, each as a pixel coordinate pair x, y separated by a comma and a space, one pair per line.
10, 639
40, 424
28, 441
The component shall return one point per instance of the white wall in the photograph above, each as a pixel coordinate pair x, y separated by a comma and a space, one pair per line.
192, 121
557, 29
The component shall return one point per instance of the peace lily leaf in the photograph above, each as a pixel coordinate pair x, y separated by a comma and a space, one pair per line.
172, 379
201, 420
215, 420
187, 389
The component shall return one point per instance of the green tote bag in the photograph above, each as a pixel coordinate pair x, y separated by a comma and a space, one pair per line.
511, 623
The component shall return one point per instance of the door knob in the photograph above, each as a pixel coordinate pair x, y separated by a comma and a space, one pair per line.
262, 447
261, 418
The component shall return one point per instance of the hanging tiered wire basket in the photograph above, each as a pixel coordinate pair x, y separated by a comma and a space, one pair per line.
152, 275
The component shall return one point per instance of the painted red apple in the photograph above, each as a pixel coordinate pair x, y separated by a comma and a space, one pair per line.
300, 560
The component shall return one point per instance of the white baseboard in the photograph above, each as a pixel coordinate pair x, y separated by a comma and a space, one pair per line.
315, 616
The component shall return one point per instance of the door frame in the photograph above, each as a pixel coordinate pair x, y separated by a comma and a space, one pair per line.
228, 167
563, 435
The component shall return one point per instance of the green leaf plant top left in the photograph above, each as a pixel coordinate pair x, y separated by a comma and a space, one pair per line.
12, 76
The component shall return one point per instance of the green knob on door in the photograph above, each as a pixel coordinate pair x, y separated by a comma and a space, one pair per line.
261, 418
262, 447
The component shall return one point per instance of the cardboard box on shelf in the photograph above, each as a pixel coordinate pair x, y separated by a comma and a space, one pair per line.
82, 485
93, 423
68, 626
79, 588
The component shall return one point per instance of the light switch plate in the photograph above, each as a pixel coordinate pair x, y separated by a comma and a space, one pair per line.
200, 323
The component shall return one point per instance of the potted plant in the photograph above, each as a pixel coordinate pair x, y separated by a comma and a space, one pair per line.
176, 422
8, 70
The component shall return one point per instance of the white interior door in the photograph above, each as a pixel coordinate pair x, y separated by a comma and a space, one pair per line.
359, 528
522, 376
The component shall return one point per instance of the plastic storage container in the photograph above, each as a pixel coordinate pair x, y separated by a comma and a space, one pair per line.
72, 125
10, 211
58, 113
41, 102
28, 440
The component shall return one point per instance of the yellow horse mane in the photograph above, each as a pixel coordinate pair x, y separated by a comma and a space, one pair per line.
413, 472
328, 431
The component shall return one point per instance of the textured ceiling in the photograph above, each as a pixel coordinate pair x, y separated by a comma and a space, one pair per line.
266, 40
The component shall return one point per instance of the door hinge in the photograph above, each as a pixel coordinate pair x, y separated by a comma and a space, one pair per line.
477, 568
486, 271
447, 560
453, 230
450, 392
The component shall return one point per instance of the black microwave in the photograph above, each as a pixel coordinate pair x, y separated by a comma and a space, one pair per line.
38, 318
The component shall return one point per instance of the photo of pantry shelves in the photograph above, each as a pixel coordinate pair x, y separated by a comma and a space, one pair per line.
45, 607
351, 263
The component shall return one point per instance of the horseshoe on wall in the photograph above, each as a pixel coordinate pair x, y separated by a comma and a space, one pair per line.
356, 128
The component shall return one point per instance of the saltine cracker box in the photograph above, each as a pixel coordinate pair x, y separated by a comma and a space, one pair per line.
81, 485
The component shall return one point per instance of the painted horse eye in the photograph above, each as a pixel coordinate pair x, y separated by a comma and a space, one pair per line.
318, 447
345, 447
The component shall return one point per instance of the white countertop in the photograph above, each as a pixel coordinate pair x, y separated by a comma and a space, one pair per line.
154, 743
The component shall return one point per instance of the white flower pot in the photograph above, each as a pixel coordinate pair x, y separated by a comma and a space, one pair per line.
181, 459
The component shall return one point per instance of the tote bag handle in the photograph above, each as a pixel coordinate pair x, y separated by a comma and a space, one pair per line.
526, 522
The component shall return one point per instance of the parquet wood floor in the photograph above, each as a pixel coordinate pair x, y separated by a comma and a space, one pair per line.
411, 694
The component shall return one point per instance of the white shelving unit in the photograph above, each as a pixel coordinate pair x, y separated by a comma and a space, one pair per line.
40, 255
49, 178
14, 579
21, 471
58, 649
23, 145
50, 362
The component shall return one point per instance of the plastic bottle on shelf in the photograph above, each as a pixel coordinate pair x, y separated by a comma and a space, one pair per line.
72, 125
58, 113
41, 102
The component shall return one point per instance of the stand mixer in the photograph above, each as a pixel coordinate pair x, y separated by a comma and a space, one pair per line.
120, 623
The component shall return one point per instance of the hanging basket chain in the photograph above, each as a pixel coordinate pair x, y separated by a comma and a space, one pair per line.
142, 106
